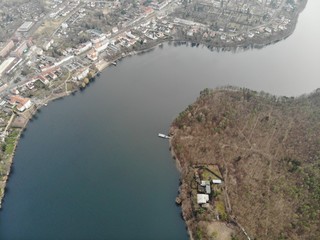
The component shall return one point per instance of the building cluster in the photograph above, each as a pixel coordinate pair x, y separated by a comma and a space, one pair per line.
206, 178
11, 53
26, 68
246, 20
77, 45
113, 42
25, 27
20, 16
19, 102
137, 24
61, 9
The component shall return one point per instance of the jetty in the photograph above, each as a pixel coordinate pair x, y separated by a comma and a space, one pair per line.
161, 135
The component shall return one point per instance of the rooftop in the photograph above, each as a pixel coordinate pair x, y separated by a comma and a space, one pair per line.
202, 198
25, 27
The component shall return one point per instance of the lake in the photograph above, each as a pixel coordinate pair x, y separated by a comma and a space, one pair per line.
91, 165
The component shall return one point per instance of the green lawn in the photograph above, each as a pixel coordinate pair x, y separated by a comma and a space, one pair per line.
10, 141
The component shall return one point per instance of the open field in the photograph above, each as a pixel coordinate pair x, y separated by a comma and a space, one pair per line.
48, 28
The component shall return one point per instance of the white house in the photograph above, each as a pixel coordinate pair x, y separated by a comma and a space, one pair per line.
202, 198
216, 181
83, 47
81, 74
115, 29
204, 183
21, 103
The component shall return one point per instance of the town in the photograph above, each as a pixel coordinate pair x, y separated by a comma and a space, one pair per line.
49, 49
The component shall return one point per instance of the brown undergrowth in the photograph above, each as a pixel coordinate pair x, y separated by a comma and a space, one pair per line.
268, 150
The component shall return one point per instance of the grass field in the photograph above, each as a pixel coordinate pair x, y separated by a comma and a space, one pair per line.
10, 141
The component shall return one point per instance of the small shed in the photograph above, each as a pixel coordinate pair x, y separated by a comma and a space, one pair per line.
205, 183
216, 181
208, 189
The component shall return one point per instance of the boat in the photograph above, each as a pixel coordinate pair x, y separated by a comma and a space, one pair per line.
161, 135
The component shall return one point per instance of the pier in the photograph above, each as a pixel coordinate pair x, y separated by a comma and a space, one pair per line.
161, 135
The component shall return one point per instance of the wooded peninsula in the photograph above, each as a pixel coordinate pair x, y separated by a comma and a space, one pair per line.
250, 165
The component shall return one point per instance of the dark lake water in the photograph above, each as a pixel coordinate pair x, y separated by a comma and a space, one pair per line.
92, 167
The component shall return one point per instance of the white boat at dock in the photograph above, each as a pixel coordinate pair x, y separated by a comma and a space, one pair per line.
161, 135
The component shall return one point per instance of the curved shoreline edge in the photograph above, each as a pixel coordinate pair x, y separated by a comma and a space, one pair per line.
10, 159
182, 203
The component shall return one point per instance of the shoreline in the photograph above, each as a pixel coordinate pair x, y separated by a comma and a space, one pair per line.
105, 64
180, 197
32, 112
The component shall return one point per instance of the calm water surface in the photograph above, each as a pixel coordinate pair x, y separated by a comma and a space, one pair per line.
92, 167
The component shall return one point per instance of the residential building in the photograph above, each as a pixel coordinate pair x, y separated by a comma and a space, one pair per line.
81, 74
6, 49
98, 39
100, 47
148, 11
83, 47
202, 198
47, 45
25, 27
20, 49
20, 102
115, 29
92, 55
216, 181
6, 65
